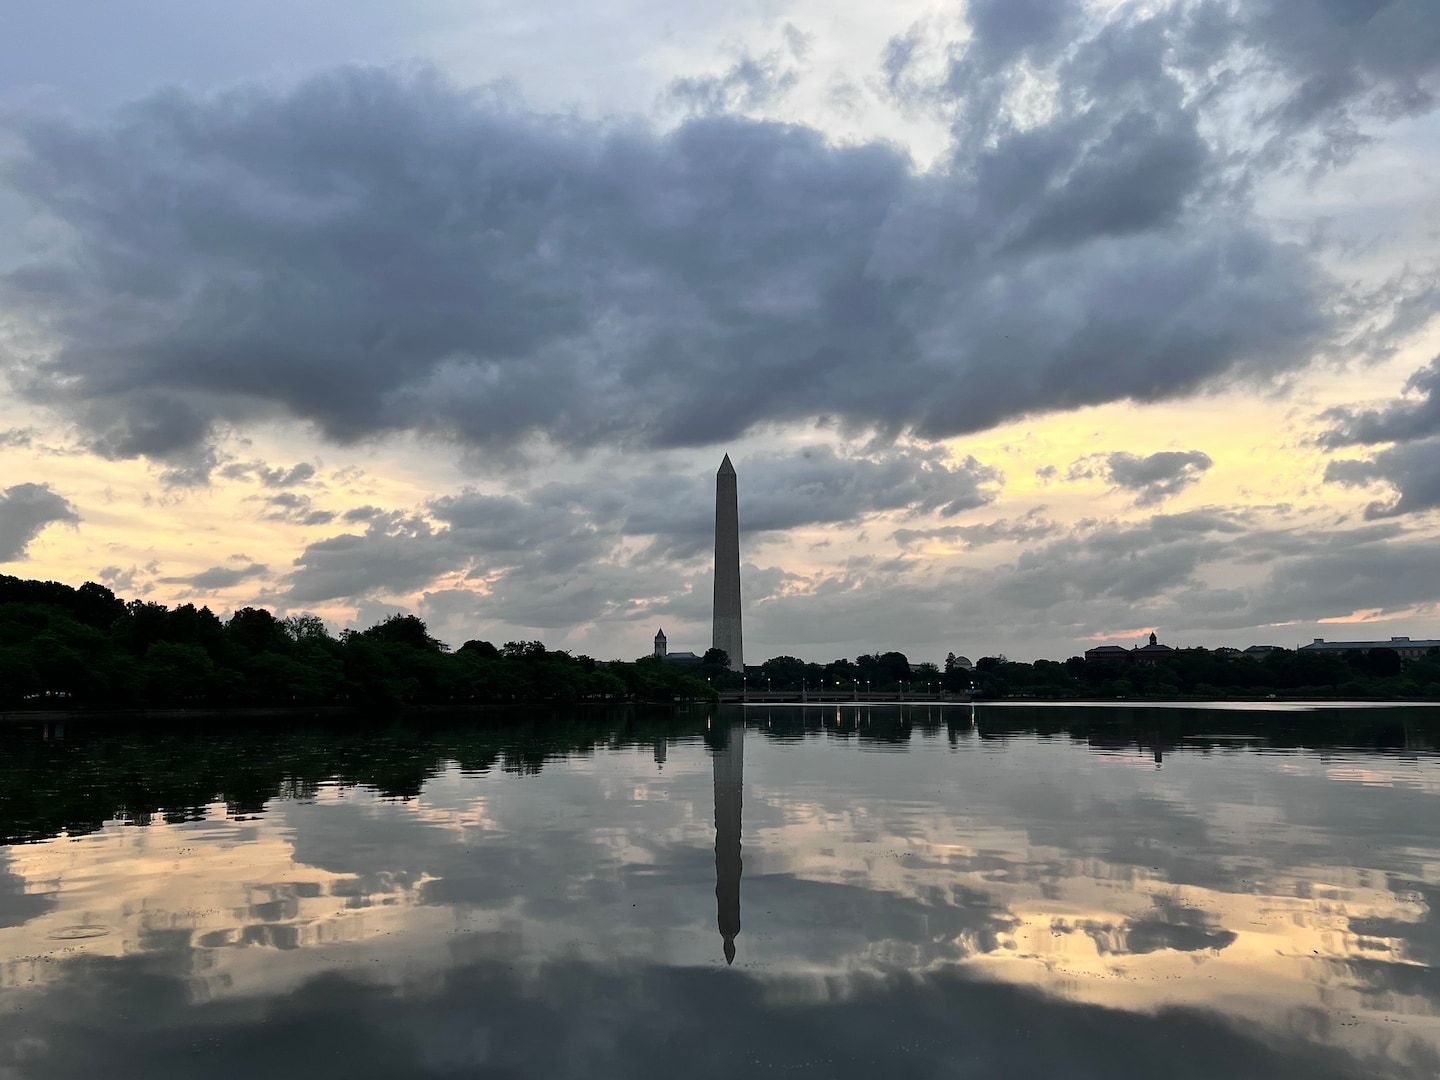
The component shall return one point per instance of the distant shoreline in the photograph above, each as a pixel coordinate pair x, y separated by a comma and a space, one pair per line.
343, 712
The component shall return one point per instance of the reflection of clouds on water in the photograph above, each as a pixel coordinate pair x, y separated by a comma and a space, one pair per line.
1256, 889
1170, 925
487, 1015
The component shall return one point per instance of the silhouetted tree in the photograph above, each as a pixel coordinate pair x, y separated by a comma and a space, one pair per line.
305, 627
256, 630
405, 630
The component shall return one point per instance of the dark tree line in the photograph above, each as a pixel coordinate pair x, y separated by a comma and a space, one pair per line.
73, 776
1200, 673
886, 671
62, 646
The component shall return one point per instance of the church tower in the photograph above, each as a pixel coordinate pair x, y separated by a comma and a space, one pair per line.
727, 567
660, 645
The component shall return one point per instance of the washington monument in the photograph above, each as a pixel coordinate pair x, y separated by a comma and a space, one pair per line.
727, 567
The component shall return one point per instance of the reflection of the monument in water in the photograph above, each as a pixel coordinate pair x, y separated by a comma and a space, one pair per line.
728, 761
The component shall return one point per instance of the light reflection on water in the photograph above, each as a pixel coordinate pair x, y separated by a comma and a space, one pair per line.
1017, 891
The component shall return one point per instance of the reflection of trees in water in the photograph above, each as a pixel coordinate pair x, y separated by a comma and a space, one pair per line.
75, 779
76, 776
1159, 732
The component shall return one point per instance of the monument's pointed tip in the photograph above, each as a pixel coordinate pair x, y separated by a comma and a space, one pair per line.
725, 465
729, 952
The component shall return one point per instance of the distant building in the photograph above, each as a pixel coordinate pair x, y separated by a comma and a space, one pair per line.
1113, 653
1226, 652
1407, 648
964, 662
1259, 652
1151, 653
662, 652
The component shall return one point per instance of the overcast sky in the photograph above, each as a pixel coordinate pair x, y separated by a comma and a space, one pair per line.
1028, 324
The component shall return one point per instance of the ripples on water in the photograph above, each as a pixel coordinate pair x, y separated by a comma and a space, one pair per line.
1007, 892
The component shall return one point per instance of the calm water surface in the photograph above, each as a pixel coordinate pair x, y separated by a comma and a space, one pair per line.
1043, 892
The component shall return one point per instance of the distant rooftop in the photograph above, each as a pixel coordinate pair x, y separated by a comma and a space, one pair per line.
1321, 645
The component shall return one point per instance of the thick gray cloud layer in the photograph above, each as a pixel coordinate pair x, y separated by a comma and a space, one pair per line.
373, 252
25, 509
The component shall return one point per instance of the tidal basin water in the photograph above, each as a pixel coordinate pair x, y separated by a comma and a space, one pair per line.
918, 891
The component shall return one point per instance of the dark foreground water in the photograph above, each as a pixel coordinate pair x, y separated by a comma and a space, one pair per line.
1045, 892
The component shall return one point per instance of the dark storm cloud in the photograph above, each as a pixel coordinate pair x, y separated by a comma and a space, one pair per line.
375, 253
1412, 465
25, 509
219, 577
1153, 478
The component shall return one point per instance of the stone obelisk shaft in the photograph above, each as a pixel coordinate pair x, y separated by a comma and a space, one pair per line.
727, 567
